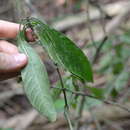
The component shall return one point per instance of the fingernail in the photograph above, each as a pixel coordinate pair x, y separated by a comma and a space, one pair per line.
20, 58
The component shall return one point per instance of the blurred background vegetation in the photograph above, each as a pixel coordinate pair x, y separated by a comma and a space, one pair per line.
101, 28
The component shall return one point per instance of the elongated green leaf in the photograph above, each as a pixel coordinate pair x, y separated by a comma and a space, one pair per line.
36, 83
63, 51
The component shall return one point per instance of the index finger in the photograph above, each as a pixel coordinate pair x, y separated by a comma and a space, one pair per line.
8, 29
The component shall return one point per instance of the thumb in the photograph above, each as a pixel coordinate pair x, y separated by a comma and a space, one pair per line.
12, 62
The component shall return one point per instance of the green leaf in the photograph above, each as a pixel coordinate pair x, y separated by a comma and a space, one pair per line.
117, 67
98, 92
63, 51
36, 83
60, 104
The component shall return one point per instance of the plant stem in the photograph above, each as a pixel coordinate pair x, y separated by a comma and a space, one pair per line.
99, 49
68, 119
62, 85
65, 98
89, 25
91, 96
79, 111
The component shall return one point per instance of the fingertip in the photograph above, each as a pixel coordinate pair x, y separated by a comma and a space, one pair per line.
20, 59
12, 62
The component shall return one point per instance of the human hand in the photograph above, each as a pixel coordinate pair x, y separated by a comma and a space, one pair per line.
11, 61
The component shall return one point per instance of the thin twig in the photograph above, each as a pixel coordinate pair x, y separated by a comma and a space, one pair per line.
62, 85
65, 98
103, 13
91, 96
89, 25
68, 119
99, 49
79, 112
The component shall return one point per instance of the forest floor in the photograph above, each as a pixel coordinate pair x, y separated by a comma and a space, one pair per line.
15, 110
